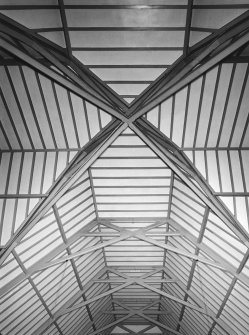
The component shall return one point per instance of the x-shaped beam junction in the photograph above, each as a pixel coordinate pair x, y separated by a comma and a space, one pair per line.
128, 330
171, 277
80, 163
75, 78
126, 281
124, 234
214, 49
118, 234
81, 81
143, 281
143, 313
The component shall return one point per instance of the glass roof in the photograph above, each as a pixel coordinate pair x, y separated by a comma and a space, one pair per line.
124, 152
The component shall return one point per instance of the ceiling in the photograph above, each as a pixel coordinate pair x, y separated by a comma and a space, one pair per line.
124, 187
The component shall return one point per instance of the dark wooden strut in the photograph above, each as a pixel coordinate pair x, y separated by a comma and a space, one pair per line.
80, 80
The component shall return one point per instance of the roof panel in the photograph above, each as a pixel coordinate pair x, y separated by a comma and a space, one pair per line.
125, 18
35, 19
124, 233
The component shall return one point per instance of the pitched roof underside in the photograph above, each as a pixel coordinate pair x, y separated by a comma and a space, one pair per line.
124, 212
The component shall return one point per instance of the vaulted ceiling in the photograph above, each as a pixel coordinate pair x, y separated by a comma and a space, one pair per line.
124, 180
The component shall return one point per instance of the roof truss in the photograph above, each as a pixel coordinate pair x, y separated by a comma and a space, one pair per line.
199, 60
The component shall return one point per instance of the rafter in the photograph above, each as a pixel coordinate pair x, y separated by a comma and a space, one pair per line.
142, 332
55, 55
64, 309
65, 27
214, 255
125, 234
119, 312
148, 280
110, 325
140, 281
81, 162
200, 59
186, 171
73, 264
201, 309
50, 256
204, 56
142, 314
188, 28
85, 93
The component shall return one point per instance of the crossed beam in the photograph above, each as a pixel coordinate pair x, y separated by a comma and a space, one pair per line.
178, 230
201, 57
142, 312
128, 281
89, 153
204, 56
70, 305
141, 332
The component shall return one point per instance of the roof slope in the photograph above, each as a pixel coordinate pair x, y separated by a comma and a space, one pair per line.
117, 218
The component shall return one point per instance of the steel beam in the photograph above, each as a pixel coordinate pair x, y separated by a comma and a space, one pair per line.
140, 281
160, 325
80, 163
228, 267
62, 80
42, 262
142, 314
95, 298
141, 332
119, 312
112, 324
195, 298
184, 253
188, 27
201, 189
189, 68
125, 234
148, 280
88, 250
55, 55
200, 307
70, 304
